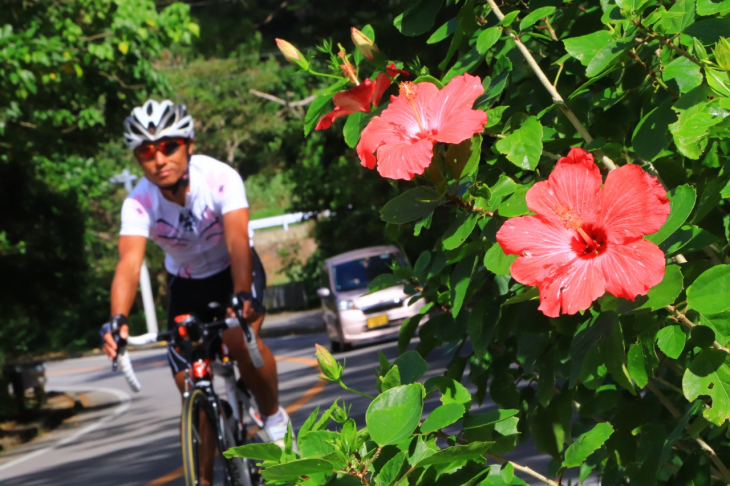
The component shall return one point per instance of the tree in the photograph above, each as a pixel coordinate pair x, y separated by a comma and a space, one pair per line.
626, 363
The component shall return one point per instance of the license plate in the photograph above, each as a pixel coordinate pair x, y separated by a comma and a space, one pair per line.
377, 321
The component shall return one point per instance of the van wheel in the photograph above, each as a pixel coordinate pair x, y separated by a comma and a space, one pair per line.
335, 347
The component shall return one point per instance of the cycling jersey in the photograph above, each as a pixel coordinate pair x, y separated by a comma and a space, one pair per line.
191, 236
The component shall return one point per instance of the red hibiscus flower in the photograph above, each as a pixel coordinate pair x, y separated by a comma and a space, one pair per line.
404, 134
359, 98
587, 239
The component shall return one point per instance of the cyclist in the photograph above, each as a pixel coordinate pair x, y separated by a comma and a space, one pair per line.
195, 208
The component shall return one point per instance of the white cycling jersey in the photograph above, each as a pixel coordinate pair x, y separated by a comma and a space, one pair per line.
191, 236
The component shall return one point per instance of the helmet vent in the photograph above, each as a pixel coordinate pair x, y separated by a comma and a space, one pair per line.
149, 109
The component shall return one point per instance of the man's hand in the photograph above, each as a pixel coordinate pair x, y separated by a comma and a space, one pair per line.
110, 345
249, 313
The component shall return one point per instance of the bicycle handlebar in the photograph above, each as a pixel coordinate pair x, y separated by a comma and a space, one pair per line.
125, 363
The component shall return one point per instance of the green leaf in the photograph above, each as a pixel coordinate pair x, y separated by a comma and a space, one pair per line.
317, 443
708, 374
523, 147
515, 205
451, 390
410, 206
394, 415
507, 472
586, 444
718, 81
458, 453
588, 335
384, 281
720, 323
710, 293
666, 291
681, 201
709, 31
428, 79
460, 230
614, 355
606, 55
509, 18
497, 262
630, 5
291, 471
419, 17
686, 73
320, 106
460, 278
389, 472
487, 38
533, 17
669, 24
710, 7
585, 48
688, 238
650, 135
263, 452
494, 115
442, 416
412, 367
482, 324
444, 31
466, 63
710, 197
351, 130
390, 380
123, 47
637, 365
702, 336
407, 331
671, 340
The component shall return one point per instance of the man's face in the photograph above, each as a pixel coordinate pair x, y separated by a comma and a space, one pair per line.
165, 161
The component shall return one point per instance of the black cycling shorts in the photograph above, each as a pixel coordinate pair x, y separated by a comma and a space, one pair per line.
192, 296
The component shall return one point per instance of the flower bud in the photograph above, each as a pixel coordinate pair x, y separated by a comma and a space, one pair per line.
292, 54
722, 54
331, 369
363, 44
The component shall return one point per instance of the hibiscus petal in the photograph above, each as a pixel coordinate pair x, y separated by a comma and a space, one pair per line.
382, 82
450, 115
377, 133
571, 287
631, 269
540, 243
575, 183
394, 71
357, 98
326, 121
404, 159
634, 204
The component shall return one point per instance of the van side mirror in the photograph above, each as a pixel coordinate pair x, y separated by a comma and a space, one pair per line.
323, 292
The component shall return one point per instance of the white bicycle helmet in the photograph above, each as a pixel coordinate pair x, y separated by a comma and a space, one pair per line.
154, 121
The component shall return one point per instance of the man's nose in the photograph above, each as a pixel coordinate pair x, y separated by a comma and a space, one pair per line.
160, 158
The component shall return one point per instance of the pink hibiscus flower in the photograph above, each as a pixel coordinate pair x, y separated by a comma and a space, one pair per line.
359, 98
587, 239
404, 135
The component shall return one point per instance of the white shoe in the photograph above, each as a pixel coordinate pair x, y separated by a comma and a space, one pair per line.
276, 427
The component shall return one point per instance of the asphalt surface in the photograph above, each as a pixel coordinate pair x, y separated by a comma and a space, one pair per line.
123, 438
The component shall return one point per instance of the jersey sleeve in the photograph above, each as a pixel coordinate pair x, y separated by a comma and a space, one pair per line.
231, 192
135, 219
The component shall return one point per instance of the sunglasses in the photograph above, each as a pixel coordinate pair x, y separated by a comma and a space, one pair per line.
167, 147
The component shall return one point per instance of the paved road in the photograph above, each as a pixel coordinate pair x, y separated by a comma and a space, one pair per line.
132, 439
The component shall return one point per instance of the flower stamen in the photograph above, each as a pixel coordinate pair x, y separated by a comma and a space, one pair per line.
572, 220
407, 90
347, 69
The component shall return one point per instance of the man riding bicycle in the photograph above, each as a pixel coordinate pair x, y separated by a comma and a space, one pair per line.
195, 208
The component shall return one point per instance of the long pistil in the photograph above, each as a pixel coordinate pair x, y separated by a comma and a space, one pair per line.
407, 90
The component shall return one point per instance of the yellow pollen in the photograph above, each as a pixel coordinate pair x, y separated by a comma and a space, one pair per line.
348, 70
572, 220
407, 90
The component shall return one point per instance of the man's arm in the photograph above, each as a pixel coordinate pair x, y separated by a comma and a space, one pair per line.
124, 285
235, 228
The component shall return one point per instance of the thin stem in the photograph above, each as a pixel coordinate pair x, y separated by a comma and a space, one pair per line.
523, 469
635, 56
669, 43
352, 390
405, 476
325, 75
550, 29
682, 319
467, 205
557, 99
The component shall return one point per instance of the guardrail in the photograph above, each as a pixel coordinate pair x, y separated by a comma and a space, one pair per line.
283, 220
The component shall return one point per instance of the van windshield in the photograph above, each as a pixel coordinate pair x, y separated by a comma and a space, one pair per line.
357, 274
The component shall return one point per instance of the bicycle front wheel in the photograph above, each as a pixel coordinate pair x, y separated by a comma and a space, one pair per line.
204, 438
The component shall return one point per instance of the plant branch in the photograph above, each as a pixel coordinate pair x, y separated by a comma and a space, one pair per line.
468, 206
550, 29
405, 475
557, 99
682, 319
523, 469
352, 390
669, 43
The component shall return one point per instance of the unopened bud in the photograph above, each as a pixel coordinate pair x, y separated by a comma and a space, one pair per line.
331, 369
292, 54
364, 44
722, 54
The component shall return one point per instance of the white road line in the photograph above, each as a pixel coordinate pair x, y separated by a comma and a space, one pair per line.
124, 404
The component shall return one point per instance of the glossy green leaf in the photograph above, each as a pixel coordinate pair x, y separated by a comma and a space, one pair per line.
687, 239
718, 81
351, 130
451, 390
586, 337
710, 7
321, 106
443, 32
460, 279
293, 470
681, 201
533, 17
412, 366
442, 416
509, 18
709, 375
606, 56
466, 63
497, 262
666, 291
709, 31
457, 453
394, 415
650, 135
419, 17
390, 380
710, 292
614, 355
585, 48
720, 324
317, 443
487, 38
586, 444
702, 336
523, 146
685, 72
671, 340
409, 206
389, 472
460, 230
384, 281
407, 331
710, 197
263, 452
428, 79
637, 365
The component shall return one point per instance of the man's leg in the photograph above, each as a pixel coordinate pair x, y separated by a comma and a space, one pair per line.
263, 382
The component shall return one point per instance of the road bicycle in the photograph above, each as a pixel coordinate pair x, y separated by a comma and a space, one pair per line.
206, 416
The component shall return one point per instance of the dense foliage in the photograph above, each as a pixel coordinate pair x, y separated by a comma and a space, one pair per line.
632, 388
